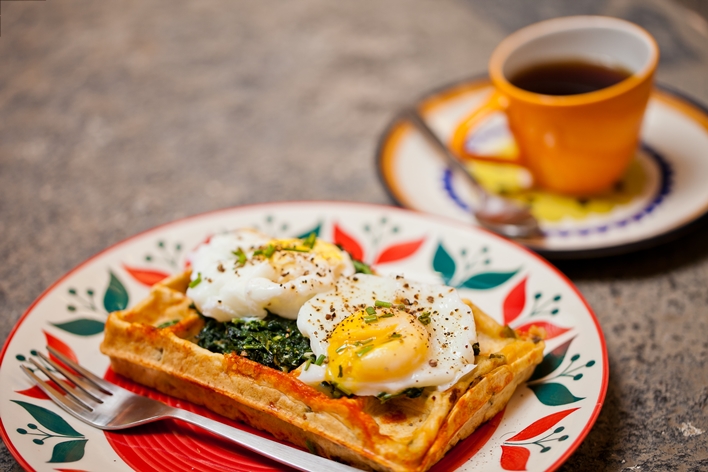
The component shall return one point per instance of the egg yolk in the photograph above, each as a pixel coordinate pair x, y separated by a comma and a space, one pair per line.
289, 252
367, 347
324, 249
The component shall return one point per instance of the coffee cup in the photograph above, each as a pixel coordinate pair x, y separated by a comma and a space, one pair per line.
574, 91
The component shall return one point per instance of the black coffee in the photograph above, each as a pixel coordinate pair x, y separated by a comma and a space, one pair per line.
567, 77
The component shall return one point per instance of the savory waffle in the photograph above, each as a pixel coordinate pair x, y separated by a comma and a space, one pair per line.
153, 344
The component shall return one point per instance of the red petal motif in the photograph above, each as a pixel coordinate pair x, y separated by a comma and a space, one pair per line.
348, 243
399, 251
59, 346
36, 392
514, 457
541, 426
552, 330
144, 276
33, 392
515, 302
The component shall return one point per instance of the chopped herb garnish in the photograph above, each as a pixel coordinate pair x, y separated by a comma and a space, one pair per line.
341, 348
365, 341
370, 310
386, 315
382, 304
395, 335
344, 390
364, 350
508, 332
371, 318
320, 359
295, 249
307, 363
311, 447
361, 268
267, 251
425, 318
196, 281
341, 372
337, 391
240, 255
167, 324
192, 306
310, 240
412, 392
401, 307
475, 348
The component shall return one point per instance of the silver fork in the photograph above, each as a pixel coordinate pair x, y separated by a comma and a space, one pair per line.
107, 406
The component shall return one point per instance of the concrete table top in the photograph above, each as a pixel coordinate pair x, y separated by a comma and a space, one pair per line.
116, 117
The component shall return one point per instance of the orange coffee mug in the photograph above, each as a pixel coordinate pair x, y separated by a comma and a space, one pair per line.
572, 143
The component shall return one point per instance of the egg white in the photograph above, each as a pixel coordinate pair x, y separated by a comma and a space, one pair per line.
451, 330
227, 286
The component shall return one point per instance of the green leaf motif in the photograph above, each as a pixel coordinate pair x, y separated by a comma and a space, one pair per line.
444, 264
82, 327
69, 451
49, 420
554, 394
551, 361
315, 230
487, 280
116, 297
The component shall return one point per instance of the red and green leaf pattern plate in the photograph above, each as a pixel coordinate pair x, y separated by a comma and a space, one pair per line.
545, 421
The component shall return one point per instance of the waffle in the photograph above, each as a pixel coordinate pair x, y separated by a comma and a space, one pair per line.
402, 434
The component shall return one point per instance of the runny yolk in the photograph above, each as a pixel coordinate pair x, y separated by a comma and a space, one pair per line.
365, 348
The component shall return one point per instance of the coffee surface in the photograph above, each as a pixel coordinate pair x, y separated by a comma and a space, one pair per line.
567, 77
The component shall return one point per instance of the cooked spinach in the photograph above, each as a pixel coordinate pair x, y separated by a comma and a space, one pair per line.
412, 392
273, 341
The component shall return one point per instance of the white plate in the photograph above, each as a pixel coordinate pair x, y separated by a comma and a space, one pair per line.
669, 175
543, 424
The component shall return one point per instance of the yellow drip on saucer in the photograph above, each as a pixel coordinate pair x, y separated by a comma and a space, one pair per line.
513, 181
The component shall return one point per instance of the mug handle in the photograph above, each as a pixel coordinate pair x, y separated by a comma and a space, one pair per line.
496, 102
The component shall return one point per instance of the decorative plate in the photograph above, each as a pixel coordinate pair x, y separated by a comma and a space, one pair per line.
663, 191
543, 424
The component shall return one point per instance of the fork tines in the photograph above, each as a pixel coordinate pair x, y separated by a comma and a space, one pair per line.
83, 389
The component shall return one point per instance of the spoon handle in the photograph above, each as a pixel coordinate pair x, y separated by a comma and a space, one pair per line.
494, 212
413, 116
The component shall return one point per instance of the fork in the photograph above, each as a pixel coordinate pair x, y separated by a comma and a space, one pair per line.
107, 406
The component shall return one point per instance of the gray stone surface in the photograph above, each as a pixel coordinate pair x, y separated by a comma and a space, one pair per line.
119, 116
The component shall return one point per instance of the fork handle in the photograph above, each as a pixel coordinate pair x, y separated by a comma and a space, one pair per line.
288, 455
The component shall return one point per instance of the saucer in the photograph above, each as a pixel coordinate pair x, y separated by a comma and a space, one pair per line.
662, 192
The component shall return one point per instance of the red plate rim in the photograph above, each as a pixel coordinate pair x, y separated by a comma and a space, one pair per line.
605, 367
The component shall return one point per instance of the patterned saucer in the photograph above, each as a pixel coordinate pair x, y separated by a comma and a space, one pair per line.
545, 421
662, 192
